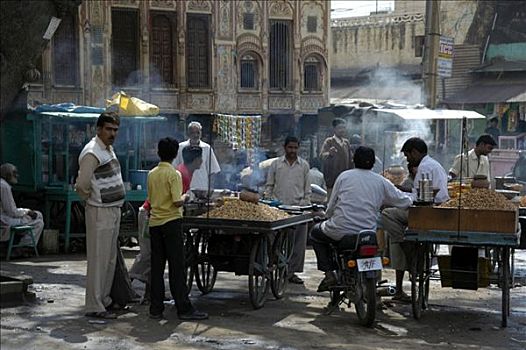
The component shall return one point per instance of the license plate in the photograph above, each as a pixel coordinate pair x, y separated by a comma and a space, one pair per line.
369, 264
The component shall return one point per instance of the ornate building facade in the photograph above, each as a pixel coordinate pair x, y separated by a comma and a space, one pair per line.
192, 57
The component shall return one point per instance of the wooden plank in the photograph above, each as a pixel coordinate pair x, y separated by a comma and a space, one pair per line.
447, 219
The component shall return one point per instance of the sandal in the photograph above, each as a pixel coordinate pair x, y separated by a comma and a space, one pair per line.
402, 297
295, 279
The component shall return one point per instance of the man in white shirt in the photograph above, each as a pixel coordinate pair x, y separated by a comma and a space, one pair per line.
288, 182
200, 176
395, 220
477, 162
10, 215
357, 197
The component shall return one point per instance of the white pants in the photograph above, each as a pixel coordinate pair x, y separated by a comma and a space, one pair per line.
102, 231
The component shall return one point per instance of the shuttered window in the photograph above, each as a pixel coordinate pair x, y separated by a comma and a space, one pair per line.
249, 72
65, 53
311, 76
280, 55
125, 47
312, 24
162, 51
248, 21
198, 51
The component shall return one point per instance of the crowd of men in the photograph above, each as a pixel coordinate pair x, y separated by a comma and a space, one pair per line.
358, 199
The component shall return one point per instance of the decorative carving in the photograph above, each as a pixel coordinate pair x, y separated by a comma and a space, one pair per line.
311, 102
170, 4
96, 12
126, 2
377, 21
249, 42
281, 9
226, 103
280, 102
198, 102
249, 102
225, 20
199, 6
164, 100
97, 90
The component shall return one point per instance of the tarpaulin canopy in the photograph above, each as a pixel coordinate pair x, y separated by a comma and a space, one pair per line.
430, 114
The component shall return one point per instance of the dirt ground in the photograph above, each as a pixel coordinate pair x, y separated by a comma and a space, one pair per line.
457, 318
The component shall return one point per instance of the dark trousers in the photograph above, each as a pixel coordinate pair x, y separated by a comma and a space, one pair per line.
322, 247
168, 244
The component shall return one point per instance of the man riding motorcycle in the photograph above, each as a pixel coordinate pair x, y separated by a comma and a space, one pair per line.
355, 203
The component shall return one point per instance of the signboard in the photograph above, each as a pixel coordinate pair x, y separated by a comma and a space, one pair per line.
445, 57
52, 27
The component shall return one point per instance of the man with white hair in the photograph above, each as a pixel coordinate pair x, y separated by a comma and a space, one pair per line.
10, 215
200, 176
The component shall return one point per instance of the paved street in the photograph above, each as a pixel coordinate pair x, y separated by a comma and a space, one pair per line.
457, 318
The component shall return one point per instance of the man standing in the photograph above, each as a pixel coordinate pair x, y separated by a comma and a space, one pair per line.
395, 219
356, 199
336, 154
200, 176
10, 215
166, 236
288, 182
99, 182
477, 162
493, 129
193, 158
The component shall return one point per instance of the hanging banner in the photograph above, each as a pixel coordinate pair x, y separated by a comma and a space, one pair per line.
445, 57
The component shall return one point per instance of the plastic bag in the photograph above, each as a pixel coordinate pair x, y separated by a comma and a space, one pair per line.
130, 106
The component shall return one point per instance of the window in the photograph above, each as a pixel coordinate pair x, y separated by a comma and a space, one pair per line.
419, 45
249, 72
162, 51
312, 24
65, 53
125, 47
198, 51
280, 55
311, 74
248, 21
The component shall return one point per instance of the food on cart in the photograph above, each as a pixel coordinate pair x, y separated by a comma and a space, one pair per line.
523, 201
481, 198
454, 188
242, 210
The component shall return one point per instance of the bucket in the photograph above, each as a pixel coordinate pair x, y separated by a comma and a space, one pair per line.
138, 177
50, 242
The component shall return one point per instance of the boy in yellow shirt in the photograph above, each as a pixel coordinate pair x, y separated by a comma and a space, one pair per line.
166, 236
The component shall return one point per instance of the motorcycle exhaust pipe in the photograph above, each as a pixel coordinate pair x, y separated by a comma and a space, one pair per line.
386, 291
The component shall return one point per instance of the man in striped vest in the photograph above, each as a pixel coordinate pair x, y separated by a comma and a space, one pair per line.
99, 183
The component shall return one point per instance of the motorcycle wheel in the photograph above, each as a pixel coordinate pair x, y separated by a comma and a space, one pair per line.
365, 302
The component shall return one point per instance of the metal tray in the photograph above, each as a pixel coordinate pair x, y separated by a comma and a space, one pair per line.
246, 226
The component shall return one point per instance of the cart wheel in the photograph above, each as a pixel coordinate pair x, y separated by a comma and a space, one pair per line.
426, 276
205, 273
259, 272
189, 260
282, 252
505, 285
417, 285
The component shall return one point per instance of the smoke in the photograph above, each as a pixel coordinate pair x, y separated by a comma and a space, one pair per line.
393, 84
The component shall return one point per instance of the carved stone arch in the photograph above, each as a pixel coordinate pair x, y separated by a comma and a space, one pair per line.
250, 42
281, 9
313, 45
200, 6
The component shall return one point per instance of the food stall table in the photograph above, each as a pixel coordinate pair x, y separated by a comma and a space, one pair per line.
69, 196
259, 249
425, 237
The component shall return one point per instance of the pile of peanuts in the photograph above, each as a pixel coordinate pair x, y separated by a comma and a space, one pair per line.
481, 198
241, 210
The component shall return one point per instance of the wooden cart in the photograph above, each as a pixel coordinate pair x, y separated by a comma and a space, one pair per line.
489, 235
259, 249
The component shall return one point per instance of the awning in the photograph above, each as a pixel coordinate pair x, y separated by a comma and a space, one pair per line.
431, 114
490, 93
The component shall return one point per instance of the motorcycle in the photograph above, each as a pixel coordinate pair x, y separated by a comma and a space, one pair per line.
358, 270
